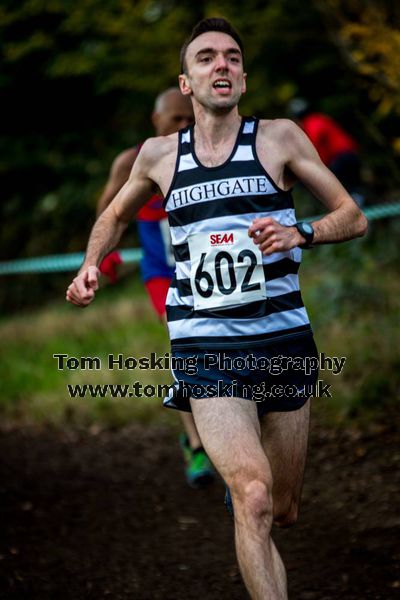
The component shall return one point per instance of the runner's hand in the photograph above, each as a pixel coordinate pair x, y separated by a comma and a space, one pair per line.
82, 290
270, 236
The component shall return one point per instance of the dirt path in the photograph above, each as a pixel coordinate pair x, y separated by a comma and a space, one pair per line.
108, 515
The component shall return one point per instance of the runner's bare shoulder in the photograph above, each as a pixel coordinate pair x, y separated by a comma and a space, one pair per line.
157, 149
282, 136
283, 130
158, 157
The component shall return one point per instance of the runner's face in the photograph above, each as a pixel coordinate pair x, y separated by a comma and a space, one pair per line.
214, 75
176, 113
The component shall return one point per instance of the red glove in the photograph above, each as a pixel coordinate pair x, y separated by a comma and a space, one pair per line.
109, 264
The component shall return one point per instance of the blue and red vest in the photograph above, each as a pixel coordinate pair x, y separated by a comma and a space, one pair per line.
155, 240
153, 229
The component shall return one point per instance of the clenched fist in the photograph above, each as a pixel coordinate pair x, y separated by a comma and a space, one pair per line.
271, 236
82, 290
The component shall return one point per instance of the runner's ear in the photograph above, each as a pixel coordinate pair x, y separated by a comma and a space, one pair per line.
184, 85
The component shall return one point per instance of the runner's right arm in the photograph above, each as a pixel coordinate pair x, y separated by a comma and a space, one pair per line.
111, 224
119, 175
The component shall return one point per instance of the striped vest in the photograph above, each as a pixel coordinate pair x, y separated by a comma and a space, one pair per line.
224, 293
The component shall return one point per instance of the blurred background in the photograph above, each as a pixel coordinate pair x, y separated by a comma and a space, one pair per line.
77, 86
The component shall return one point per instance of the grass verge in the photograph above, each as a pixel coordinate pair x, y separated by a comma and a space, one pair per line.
352, 294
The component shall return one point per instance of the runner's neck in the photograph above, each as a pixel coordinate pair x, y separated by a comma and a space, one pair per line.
213, 130
215, 136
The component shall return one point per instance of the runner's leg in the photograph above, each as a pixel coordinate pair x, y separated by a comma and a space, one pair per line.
230, 431
284, 437
191, 430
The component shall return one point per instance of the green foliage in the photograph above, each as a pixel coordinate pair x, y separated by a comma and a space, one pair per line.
36, 391
369, 38
79, 79
351, 292
353, 297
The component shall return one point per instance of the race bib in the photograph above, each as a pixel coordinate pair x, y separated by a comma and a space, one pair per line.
226, 269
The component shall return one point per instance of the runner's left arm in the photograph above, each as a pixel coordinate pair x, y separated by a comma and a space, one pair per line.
344, 220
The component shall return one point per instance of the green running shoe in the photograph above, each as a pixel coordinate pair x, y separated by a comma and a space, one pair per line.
199, 471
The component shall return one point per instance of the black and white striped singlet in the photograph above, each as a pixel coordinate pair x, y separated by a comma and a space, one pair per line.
225, 294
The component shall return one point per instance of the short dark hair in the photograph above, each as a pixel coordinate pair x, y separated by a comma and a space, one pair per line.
204, 26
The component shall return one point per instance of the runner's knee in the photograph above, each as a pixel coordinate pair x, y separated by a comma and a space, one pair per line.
253, 496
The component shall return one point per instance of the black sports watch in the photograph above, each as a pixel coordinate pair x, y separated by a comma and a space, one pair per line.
307, 231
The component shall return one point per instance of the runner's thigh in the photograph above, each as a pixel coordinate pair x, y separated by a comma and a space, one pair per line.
230, 431
284, 437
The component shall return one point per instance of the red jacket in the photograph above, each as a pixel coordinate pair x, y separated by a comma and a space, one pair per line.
328, 137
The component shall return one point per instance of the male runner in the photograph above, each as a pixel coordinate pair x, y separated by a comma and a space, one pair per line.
172, 111
235, 294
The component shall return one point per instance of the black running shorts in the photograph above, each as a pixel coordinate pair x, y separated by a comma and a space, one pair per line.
279, 376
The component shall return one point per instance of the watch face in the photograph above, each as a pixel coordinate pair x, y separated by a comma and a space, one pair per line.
308, 228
